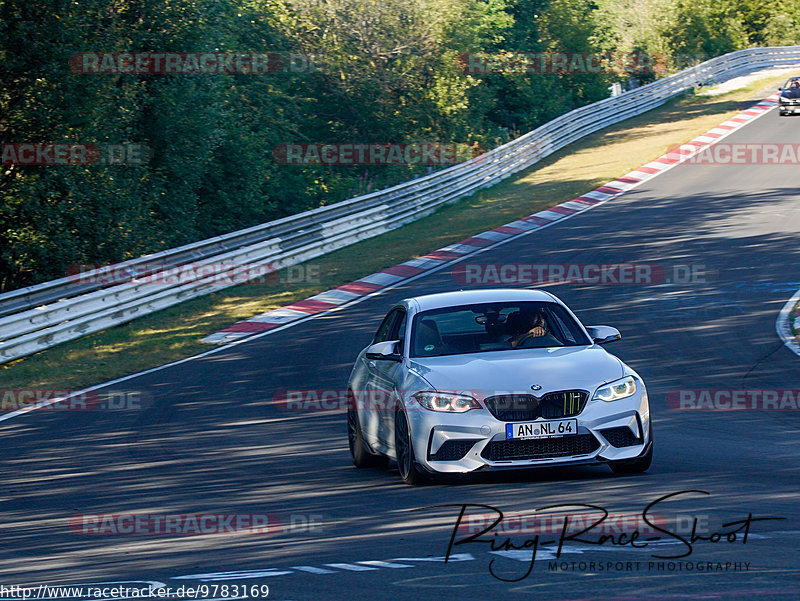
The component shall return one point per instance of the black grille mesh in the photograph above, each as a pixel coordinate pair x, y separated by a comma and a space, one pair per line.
620, 437
527, 407
504, 450
452, 450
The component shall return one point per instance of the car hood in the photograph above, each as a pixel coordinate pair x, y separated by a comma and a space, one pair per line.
498, 372
793, 93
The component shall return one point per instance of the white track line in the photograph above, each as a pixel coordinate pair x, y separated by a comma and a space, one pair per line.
783, 327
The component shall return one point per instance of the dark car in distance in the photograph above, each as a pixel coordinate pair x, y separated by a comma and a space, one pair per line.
789, 99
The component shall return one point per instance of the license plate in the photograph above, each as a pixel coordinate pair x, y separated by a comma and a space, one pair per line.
549, 429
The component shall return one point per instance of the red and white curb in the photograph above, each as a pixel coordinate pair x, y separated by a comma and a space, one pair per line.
330, 299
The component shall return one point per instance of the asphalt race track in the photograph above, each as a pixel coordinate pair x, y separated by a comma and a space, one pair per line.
206, 437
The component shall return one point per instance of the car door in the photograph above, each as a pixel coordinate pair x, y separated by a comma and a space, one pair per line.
385, 375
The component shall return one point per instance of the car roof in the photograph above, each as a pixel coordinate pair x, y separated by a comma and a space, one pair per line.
469, 297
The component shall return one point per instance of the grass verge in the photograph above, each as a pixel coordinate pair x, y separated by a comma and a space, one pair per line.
175, 333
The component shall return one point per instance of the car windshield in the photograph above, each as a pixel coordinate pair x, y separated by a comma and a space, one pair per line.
792, 87
498, 326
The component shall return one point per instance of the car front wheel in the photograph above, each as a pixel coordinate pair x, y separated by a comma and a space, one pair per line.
358, 448
404, 449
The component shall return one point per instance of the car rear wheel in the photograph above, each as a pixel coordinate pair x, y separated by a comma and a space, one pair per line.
404, 449
638, 465
358, 449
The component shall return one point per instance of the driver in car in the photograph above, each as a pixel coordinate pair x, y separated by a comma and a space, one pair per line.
534, 326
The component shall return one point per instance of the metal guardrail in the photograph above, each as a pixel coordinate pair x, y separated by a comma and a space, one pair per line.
47, 314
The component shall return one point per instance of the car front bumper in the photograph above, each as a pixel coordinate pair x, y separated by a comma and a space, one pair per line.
476, 440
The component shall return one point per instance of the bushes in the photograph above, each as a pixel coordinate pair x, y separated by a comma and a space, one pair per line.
388, 71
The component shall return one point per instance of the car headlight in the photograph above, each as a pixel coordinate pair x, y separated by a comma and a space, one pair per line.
445, 401
614, 391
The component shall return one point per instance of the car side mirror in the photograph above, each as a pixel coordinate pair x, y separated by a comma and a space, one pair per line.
385, 351
780, 89
603, 334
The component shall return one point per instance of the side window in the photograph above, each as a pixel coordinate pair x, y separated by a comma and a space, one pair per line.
385, 328
562, 333
566, 327
398, 329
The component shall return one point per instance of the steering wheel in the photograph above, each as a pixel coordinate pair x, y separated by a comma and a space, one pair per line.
531, 335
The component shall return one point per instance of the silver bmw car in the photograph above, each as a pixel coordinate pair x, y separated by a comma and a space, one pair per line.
494, 379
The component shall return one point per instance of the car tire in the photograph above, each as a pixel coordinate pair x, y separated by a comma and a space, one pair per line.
638, 465
362, 458
404, 450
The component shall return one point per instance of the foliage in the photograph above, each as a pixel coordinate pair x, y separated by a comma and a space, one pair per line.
385, 71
